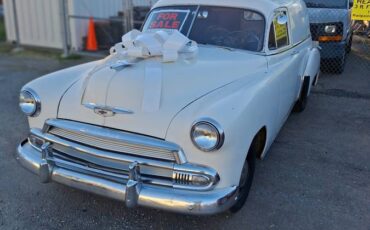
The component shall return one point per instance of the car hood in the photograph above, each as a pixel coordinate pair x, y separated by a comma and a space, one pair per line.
152, 92
326, 15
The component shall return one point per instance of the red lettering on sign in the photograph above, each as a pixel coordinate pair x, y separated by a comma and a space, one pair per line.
165, 25
168, 20
176, 24
173, 16
167, 16
160, 24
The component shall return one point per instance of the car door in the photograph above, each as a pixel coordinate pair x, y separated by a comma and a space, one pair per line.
284, 62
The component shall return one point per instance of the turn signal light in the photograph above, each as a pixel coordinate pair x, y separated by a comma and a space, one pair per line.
35, 141
336, 38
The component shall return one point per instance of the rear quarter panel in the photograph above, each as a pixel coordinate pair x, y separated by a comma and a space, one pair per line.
313, 65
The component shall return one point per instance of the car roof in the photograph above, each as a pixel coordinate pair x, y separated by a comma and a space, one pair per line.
266, 7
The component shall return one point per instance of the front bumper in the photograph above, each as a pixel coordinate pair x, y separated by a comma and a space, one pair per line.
332, 50
134, 192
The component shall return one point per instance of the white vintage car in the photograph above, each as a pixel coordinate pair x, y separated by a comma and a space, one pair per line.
176, 116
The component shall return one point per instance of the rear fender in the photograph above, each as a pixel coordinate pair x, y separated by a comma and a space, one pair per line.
312, 68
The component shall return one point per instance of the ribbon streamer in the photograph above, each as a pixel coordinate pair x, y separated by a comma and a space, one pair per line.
152, 87
136, 45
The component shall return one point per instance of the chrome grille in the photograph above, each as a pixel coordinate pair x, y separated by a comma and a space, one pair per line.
117, 143
108, 153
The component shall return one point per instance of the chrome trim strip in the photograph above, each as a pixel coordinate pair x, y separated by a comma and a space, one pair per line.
287, 48
175, 200
120, 178
112, 146
193, 21
111, 111
101, 154
115, 135
121, 162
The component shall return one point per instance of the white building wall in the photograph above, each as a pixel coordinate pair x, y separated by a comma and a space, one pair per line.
9, 20
40, 21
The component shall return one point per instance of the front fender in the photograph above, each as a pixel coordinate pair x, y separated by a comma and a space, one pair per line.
51, 88
241, 109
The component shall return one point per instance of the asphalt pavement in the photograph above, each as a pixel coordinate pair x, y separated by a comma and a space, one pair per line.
316, 176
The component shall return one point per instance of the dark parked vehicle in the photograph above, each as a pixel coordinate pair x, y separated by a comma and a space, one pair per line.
331, 25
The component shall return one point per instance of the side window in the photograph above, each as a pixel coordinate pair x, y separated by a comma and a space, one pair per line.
279, 34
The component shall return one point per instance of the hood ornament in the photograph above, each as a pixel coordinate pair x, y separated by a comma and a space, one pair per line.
107, 111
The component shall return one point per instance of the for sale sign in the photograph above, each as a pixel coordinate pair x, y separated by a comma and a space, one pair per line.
281, 31
361, 10
168, 19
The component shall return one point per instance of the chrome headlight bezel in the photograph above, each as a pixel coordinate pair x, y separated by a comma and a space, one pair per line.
30, 103
213, 127
330, 29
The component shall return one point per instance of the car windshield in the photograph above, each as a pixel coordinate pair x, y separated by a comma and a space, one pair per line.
337, 4
209, 25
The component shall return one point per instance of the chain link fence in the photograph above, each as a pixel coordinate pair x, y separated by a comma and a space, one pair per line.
111, 19
2, 24
340, 38
64, 24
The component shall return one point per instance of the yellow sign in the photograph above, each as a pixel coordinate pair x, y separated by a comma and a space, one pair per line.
361, 10
281, 31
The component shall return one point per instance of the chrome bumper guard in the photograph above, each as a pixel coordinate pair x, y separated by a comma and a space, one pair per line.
134, 192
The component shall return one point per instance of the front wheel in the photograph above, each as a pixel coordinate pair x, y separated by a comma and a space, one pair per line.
246, 180
349, 45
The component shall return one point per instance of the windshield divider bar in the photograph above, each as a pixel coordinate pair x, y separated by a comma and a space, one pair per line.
193, 21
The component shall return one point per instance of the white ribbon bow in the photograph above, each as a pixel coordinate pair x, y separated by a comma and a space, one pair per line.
151, 44
136, 44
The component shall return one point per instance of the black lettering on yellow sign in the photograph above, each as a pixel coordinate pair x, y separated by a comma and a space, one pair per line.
361, 10
281, 31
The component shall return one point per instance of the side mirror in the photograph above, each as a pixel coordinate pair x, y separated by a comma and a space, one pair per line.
350, 4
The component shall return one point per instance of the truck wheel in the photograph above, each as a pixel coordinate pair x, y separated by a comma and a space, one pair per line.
246, 179
338, 64
301, 104
349, 45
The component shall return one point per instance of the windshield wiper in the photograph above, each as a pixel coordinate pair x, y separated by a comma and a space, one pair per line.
221, 47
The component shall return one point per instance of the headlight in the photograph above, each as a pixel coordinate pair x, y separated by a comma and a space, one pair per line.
29, 103
207, 135
330, 29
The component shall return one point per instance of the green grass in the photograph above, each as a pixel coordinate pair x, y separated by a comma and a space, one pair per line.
36, 52
8, 49
5, 48
2, 30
